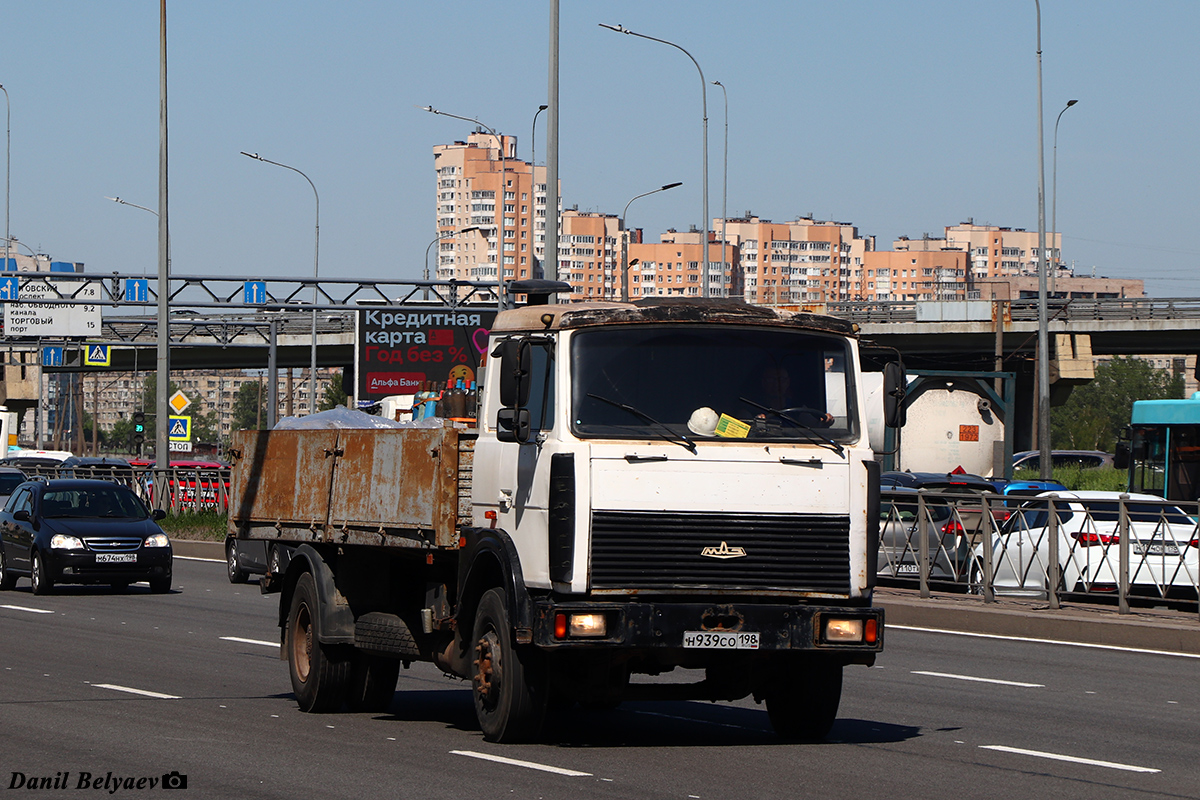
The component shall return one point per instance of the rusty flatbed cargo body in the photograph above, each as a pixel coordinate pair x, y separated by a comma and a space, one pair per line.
385, 487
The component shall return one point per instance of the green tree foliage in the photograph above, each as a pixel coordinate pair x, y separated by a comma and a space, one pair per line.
334, 395
1097, 411
250, 407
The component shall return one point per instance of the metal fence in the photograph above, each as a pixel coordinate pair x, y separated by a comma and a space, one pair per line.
1122, 550
183, 490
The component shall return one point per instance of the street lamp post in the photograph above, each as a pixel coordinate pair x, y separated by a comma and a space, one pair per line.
1054, 188
533, 189
725, 185
499, 201
152, 211
312, 378
1043, 351
440, 237
7, 165
704, 189
625, 238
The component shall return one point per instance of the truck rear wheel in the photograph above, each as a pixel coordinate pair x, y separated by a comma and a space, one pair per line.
372, 682
320, 673
509, 684
803, 701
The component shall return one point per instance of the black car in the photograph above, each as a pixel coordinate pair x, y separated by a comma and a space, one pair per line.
246, 557
81, 531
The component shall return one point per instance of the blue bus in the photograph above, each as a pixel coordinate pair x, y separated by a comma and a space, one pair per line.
1163, 448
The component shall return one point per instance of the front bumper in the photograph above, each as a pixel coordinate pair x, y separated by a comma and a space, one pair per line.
82, 566
662, 625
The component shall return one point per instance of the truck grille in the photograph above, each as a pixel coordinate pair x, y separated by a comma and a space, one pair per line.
662, 551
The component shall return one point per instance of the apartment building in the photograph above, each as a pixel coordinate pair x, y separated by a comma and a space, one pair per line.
913, 275
470, 176
802, 261
996, 252
589, 254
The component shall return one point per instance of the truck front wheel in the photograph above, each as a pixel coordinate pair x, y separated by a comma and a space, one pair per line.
803, 699
509, 684
320, 673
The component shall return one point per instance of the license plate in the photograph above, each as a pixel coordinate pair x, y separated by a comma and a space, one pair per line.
116, 558
908, 569
718, 640
1168, 549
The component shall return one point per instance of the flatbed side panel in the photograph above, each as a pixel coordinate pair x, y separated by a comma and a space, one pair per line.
397, 481
282, 477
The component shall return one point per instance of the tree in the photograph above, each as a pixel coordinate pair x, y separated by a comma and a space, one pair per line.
1095, 412
334, 395
249, 407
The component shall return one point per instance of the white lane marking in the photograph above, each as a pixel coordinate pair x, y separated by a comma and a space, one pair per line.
249, 641
1091, 762
526, 764
30, 610
142, 692
979, 680
196, 558
1045, 641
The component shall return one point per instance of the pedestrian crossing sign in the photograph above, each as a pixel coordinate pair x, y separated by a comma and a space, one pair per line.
180, 429
97, 355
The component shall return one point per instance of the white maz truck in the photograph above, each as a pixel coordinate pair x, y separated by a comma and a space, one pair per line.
651, 486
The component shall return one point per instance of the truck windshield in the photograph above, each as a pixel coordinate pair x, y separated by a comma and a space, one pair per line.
708, 382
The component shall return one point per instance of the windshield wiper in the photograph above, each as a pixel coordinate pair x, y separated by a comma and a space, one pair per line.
666, 434
812, 436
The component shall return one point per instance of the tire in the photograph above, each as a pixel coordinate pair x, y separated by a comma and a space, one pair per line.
42, 583
274, 561
509, 684
235, 572
372, 682
161, 585
320, 673
803, 702
975, 581
7, 579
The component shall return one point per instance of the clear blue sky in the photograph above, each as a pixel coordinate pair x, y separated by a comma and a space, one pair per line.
900, 118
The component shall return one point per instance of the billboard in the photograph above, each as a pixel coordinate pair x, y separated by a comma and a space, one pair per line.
399, 348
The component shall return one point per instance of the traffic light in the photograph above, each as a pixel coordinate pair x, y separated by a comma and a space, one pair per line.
139, 427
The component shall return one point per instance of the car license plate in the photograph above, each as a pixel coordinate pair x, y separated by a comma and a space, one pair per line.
116, 558
908, 569
1167, 549
720, 640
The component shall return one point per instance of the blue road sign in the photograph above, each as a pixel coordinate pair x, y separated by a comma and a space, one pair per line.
8, 288
254, 292
97, 355
52, 356
137, 290
180, 429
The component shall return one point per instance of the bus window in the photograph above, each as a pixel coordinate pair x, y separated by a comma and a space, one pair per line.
1149, 461
1184, 473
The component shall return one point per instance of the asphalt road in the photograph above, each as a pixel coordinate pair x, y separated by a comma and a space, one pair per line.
141, 685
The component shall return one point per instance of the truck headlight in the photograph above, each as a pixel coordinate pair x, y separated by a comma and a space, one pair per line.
593, 626
844, 630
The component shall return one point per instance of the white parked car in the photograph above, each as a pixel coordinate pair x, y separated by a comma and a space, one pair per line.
1164, 552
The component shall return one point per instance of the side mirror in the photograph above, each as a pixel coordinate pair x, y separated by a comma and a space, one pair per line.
512, 425
514, 372
158, 514
895, 390
22, 515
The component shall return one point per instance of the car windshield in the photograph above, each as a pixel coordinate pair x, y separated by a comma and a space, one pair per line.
102, 501
750, 383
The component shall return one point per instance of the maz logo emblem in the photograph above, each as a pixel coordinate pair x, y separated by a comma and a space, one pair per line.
724, 551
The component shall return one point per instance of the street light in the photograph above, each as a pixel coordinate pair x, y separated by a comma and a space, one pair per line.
1054, 186
1043, 352
533, 189
725, 184
499, 201
7, 165
152, 211
625, 239
312, 378
440, 237
704, 190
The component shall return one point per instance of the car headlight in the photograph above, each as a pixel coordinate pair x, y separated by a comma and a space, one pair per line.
61, 541
157, 540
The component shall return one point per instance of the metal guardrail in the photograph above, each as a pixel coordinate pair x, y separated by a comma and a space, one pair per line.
1123, 550
184, 490
1115, 308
